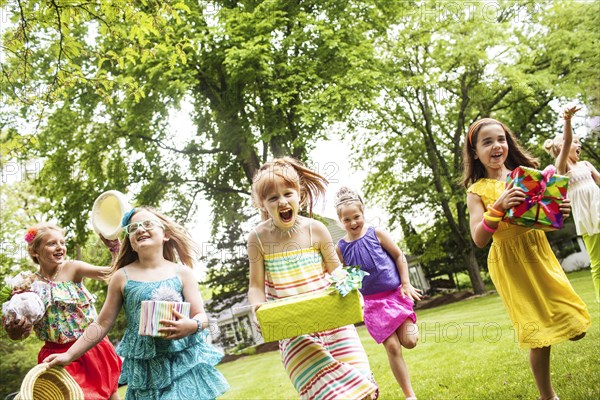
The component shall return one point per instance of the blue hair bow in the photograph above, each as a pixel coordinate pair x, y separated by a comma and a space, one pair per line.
126, 217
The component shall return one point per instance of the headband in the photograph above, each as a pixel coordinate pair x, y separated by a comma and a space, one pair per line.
475, 126
339, 203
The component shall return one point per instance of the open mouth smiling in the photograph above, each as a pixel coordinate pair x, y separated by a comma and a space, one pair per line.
286, 215
496, 156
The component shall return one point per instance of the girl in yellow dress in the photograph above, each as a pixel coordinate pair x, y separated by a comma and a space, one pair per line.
537, 294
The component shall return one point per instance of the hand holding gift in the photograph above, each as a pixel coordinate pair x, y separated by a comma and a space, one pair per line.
544, 192
156, 315
22, 305
565, 208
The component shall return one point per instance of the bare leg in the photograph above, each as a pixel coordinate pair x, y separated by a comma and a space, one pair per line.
539, 360
408, 334
115, 396
399, 368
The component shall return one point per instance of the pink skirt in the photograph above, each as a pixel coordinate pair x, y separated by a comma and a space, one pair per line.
384, 313
97, 371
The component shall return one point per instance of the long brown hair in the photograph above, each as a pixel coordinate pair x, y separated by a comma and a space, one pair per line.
179, 248
473, 169
296, 175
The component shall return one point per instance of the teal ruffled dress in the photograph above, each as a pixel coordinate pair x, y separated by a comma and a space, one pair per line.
162, 369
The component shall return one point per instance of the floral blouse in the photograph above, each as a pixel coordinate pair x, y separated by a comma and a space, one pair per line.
69, 311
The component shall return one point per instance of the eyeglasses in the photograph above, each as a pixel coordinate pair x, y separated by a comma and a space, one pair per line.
147, 224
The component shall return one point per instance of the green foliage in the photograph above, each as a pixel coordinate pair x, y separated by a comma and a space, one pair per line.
92, 91
18, 211
17, 359
227, 269
99, 84
441, 74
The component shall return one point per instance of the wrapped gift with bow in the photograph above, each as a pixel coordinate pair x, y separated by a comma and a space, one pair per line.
338, 305
544, 191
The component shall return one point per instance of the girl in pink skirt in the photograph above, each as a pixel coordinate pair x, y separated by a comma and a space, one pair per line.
387, 291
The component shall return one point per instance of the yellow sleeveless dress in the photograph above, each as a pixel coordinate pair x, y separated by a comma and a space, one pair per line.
538, 296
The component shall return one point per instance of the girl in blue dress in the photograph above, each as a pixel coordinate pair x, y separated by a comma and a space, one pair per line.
181, 365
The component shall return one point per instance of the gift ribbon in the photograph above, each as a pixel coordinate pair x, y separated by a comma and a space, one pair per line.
348, 279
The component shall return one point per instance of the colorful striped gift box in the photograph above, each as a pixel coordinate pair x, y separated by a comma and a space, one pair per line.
308, 313
544, 193
153, 311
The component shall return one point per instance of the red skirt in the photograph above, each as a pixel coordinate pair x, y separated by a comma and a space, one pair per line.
97, 371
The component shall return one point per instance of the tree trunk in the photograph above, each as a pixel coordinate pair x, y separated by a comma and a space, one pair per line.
473, 268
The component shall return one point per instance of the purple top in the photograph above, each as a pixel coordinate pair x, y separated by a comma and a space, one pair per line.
367, 252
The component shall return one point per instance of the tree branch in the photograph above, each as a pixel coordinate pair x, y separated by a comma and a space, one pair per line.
191, 149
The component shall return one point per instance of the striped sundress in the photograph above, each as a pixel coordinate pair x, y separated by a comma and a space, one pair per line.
325, 365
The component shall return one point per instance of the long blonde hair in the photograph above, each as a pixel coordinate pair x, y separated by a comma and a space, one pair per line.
179, 248
35, 234
553, 146
306, 182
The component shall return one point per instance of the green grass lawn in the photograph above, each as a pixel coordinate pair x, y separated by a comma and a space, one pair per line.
467, 350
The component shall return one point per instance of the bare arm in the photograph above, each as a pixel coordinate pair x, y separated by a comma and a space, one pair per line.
85, 270
595, 173
562, 165
256, 289
339, 254
475, 206
401, 264
510, 197
98, 329
562, 161
331, 260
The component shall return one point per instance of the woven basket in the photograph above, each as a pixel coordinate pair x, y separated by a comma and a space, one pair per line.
49, 384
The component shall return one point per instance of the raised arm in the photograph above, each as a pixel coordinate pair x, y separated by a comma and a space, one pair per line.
98, 329
99, 273
387, 243
562, 161
562, 165
85, 270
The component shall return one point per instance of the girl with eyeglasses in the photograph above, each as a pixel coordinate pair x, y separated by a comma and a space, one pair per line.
68, 310
181, 364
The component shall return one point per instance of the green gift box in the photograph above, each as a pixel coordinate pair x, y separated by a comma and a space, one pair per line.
308, 313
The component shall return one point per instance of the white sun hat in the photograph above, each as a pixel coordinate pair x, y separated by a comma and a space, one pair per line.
107, 213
